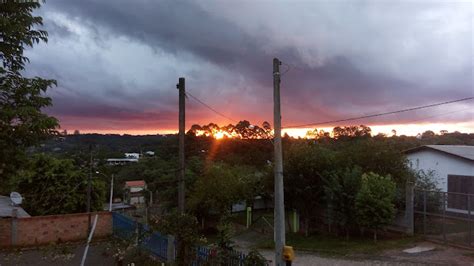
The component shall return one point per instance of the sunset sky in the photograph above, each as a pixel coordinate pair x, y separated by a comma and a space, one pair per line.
117, 62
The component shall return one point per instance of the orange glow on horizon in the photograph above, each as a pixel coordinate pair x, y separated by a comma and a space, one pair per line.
217, 134
402, 129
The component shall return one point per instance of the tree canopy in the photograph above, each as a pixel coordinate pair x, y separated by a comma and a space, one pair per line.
22, 122
57, 186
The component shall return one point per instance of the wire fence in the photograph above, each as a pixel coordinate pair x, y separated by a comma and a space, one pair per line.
157, 244
128, 229
444, 216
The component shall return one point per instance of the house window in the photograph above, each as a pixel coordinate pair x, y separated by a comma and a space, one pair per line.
460, 184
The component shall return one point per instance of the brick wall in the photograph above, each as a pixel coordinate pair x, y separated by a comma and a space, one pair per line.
5, 232
40, 230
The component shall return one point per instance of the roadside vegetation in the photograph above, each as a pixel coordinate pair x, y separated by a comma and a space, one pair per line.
332, 246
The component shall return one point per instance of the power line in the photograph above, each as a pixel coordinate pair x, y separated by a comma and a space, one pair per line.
210, 108
288, 67
437, 115
380, 114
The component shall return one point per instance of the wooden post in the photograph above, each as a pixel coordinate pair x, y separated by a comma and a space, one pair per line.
111, 193
279, 208
424, 212
469, 218
182, 109
444, 217
409, 207
89, 191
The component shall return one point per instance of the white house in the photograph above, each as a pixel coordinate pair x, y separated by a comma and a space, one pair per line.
129, 158
452, 166
135, 191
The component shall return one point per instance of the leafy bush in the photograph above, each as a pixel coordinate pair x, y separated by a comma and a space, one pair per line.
374, 201
340, 189
185, 228
57, 186
254, 258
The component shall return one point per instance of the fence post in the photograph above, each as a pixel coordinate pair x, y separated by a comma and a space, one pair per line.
444, 217
14, 226
171, 249
409, 207
469, 217
424, 212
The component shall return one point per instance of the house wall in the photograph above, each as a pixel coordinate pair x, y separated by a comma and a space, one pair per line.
442, 164
136, 189
40, 230
137, 200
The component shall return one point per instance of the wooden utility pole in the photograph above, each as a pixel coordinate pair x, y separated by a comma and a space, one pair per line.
182, 109
279, 208
89, 190
111, 192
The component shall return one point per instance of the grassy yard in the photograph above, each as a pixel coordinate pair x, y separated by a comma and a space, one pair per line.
326, 245
334, 246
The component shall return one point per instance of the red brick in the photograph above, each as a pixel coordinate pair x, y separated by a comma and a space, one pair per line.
40, 230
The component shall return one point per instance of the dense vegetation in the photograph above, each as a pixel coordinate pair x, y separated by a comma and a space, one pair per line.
323, 174
22, 122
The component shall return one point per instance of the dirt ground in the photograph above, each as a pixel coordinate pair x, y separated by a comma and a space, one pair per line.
441, 255
53, 256
72, 254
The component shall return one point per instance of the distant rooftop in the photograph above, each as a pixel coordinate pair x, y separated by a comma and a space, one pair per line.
118, 206
136, 183
462, 151
121, 160
6, 208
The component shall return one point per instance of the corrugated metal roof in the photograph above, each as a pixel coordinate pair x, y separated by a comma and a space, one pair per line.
6, 208
463, 151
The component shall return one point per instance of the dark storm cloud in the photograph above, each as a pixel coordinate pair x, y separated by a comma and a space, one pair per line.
345, 59
170, 25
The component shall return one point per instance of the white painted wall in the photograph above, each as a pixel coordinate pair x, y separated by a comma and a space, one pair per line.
137, 200
136, 189
442, 164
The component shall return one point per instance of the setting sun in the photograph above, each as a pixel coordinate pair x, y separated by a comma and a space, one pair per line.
219, 135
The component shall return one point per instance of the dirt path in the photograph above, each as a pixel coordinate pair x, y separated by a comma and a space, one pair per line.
45, 256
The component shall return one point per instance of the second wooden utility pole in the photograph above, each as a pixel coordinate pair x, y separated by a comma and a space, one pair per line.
279, 208
182, 109
89, 191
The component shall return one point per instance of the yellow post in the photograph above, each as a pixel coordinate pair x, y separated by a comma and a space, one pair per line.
288, 254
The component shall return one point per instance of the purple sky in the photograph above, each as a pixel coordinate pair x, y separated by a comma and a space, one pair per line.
117, 62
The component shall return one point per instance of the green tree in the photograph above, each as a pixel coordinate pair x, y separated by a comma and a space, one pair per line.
305, 166
22, 123
340, 189
374, 202
349, 132
220, 186
185, 228
55, 186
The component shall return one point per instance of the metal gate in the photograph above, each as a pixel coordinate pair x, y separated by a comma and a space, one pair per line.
444, 216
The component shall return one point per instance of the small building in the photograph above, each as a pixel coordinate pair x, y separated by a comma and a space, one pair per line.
132, 155
121, 161
7, 209
135, 192
452, 167
150, 153
118, 206
129, 157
